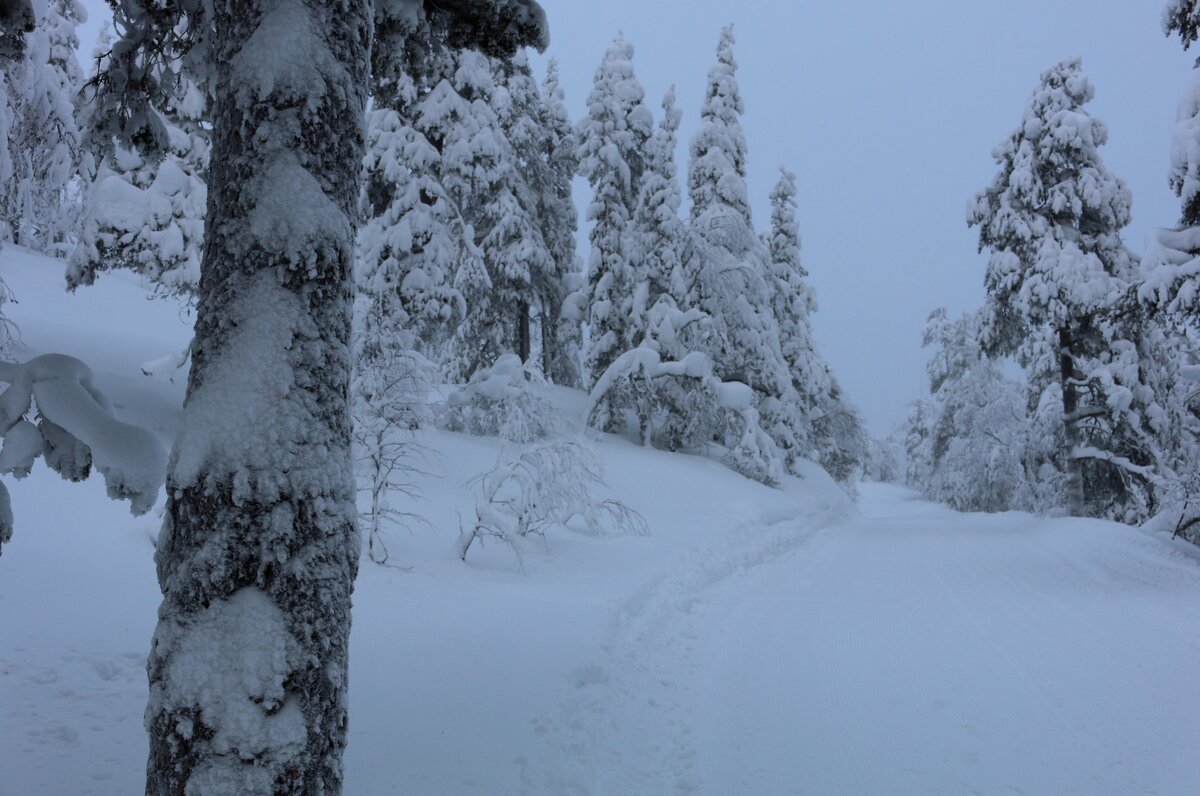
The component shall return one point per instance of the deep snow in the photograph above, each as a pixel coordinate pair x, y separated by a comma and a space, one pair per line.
759, 641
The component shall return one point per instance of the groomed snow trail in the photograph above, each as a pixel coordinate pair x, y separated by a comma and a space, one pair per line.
906, 649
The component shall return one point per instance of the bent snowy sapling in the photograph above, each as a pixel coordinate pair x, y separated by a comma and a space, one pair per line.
53, 409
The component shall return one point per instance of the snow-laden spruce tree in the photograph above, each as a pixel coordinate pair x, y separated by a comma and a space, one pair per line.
793, 302
1052, 219
16, 20
412, 241
38, 201
146, 214
918, 444
481, 174
656, 233
561, 331
514, 249
727, 267
256, 560
611, 149
1171, 268
1163, 327
413, 237
717, 171
667, 378
458, 119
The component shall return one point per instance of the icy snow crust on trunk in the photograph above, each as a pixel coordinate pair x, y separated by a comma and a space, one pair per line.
233, 662
258, 552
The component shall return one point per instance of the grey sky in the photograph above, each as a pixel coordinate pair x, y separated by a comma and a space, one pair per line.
888, 112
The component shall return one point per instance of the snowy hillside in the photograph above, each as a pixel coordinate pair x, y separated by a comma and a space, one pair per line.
758, 641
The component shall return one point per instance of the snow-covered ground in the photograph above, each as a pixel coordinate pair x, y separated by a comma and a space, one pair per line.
759, 641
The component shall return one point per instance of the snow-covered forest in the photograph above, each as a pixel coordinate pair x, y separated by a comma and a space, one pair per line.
363, 319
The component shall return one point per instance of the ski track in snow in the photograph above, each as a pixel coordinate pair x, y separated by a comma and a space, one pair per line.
905, 650
626, 723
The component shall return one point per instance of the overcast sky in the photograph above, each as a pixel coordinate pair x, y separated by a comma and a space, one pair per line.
888, 113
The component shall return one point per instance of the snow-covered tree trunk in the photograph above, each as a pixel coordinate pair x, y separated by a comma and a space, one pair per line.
1070, 396
257, 557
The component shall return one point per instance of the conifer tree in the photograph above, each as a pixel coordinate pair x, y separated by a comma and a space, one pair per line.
611, 145
561, 332
792, 302
413, 238
37, 204
470, 115
839, 437
727, 272
657, 233
1172, 265
1052, 219
460, 119
514, 248
717, 170
727, 266
16, 19
146, 214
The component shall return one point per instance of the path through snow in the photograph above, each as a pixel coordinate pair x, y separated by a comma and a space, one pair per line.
908, 650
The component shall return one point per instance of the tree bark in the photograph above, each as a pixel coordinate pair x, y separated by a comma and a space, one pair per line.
524, 333
258, 553
1070, 397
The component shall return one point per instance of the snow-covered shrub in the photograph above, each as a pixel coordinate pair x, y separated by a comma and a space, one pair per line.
53, 409
682, 405
883, 460
977, 439
918, 444
389, 399
7, 327
1047, 486
541, 488
508, 401
839, 440
974, 477
1181, 497
754, 454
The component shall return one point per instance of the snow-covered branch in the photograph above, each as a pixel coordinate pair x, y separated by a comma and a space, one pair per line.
75, 429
